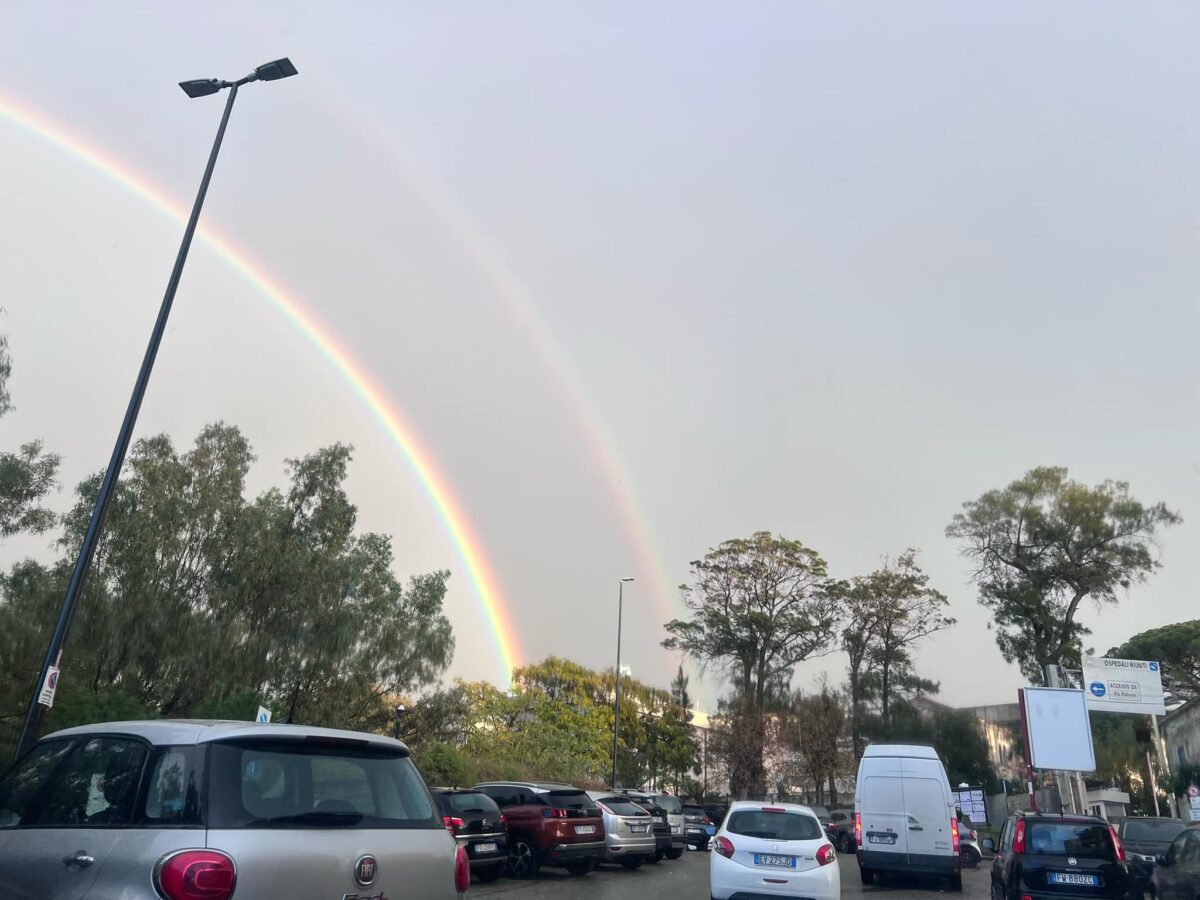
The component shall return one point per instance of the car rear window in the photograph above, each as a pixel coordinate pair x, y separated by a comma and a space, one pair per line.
693, 811
623, 806
576, 800
1152, 830
302, 783
669, 803
774, 826
1081, 839
470, 803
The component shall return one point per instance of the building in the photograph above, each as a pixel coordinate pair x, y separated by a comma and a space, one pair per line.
1180, 730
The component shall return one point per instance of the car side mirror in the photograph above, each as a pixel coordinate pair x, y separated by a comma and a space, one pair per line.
989, 844
1162, 860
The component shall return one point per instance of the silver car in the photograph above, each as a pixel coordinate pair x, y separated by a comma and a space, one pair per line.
628, 829
181, 809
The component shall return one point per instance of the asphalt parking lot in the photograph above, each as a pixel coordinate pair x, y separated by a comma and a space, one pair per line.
687, 879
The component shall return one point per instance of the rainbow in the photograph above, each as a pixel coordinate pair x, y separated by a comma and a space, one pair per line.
392, 420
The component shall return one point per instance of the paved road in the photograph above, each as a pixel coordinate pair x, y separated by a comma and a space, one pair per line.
687, 879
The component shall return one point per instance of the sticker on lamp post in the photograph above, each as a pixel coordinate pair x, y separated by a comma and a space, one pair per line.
49, 686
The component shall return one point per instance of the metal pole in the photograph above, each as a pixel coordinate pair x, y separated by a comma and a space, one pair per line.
1153, 782
617, 691
1033, 805
33, 716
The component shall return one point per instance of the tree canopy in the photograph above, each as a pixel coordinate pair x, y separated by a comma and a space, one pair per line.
1043, 545
27, 475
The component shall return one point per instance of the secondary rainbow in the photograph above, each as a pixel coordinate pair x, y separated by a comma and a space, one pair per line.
398, 429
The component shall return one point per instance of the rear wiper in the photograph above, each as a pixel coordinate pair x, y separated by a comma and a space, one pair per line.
331, 819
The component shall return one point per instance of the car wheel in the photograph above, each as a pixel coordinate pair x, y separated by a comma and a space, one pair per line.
674, 853
489, 874
658, 855
867, 876
956, 884
845, 844
632, 862
522, 859
970, 857
580, 867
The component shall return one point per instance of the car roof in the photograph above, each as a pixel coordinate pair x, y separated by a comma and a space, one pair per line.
534, 785
763, 804
910, 751
202, 731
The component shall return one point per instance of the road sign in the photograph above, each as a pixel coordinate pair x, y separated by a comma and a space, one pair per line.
1123, 685
264, 715
49, 686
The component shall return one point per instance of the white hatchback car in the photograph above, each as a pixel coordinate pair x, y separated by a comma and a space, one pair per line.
775, 850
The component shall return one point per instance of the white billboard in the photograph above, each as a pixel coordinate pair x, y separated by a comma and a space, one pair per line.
1060, 734
1123, 685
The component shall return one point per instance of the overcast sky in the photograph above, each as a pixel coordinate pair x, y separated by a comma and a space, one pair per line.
824, 269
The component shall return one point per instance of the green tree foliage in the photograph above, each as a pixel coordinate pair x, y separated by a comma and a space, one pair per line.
26, 476
199, 600
956, 734
816, 727
759, 607
1177, 648
888, 612
445, 765
1043, 545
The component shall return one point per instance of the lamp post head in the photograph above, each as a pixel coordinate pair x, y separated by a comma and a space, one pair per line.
272, 71
201, 87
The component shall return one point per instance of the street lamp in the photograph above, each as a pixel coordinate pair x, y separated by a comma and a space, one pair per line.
617, 690
43, 695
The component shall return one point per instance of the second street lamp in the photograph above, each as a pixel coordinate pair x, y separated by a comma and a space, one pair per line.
43, 695
617, 688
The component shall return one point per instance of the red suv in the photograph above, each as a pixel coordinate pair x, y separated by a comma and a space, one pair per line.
548, 825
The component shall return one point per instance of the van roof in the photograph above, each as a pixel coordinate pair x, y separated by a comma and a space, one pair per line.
909, 751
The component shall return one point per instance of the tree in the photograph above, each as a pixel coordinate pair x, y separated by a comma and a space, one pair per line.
26, 476
759, 607
1043, 545
815, 732
1177, 648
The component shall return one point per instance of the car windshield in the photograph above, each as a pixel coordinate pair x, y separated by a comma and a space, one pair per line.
1082, 839
473, 802
320, 784
1161, 831
773, 826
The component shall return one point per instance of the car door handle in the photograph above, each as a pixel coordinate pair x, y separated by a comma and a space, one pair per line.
916, 827
80, 859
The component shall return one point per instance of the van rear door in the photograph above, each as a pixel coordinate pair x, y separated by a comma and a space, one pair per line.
884, 821
929, 810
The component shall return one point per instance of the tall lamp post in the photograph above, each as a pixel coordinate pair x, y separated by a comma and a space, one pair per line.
43, 695
617, 690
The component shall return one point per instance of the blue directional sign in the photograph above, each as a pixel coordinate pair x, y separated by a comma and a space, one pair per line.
1097, 688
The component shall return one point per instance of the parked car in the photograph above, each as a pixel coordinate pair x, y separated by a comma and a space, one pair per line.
698, 828
1177, 872
1145, 839
773, 850
841, 829
674, 811
969, 850
149, 810
549, 824
1055, 857
628, 829
904, 815
661, 828
479, 828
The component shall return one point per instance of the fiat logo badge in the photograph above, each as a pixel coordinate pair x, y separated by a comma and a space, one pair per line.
1072, 861
365, 870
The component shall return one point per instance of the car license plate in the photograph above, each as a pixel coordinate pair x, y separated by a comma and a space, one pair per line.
1073, 878
877, 838
767, 859
585, 829
485, 848
638, 829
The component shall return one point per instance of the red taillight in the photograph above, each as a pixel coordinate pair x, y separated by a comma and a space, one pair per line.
196, 875
724, 846
954, 834
826, 855
462, 871
1019, 837
1117, 845
858, 829
452, 822
503, 820
554, 813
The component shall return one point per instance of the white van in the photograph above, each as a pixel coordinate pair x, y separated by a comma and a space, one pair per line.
904, 815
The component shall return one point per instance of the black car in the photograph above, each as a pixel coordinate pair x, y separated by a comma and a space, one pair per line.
696, 825
1145, 839
840, 830
661, 828
716, 812
1054, 857
478, 826
1177, 873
